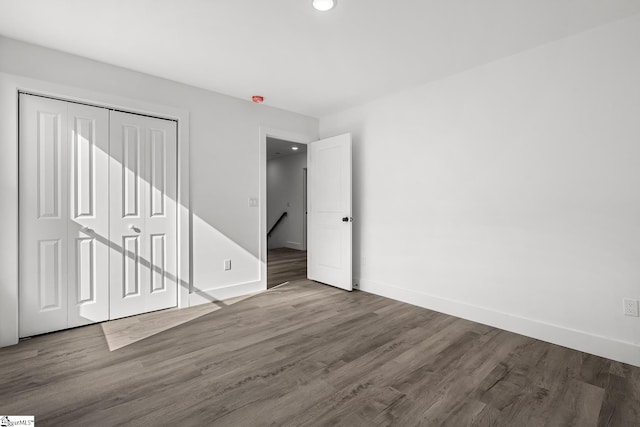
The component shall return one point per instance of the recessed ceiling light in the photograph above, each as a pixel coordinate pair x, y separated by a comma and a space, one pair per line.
294, 148
324, 5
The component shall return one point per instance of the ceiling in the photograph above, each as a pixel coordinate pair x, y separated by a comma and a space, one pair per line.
301, 60
277, 148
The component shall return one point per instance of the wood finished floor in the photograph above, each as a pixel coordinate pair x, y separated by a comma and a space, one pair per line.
285, 264
308, 354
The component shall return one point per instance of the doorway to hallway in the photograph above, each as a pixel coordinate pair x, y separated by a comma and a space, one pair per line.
286, 211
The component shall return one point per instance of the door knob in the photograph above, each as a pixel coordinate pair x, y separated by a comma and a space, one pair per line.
347, 219
134, 228
87, 230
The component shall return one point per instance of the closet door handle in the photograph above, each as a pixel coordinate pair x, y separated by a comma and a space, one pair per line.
134, 228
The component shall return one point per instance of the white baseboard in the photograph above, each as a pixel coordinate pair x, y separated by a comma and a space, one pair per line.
621, 351
293, 245
219, 294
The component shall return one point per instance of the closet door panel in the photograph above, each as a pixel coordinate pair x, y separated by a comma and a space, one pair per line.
160, 221
43, 205
143, 214
88, 279
127, 191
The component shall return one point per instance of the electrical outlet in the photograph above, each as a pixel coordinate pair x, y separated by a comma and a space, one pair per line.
630, 307
227, 264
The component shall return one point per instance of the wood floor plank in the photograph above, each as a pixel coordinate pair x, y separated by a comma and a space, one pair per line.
285, 265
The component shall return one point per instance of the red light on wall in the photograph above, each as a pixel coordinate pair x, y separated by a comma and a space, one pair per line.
257, 99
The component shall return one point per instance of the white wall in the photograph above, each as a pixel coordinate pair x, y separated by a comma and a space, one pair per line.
224, 163
285, 194
510, 193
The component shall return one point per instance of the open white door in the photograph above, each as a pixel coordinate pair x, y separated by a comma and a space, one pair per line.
329, 211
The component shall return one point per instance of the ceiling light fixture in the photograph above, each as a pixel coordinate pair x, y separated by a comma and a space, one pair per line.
294, 148
324, 5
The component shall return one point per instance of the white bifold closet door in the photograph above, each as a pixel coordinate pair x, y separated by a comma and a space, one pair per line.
143, 214
97, 191
64, 215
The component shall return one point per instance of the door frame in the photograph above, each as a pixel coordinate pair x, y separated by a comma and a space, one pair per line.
265, 132
10, 87
305, 202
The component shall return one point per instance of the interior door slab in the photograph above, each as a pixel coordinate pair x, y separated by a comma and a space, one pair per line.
143, 214
44, 210
329, 211
88, 225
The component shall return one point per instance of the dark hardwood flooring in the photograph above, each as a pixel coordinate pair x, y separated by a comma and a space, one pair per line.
308, 354
285, 265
